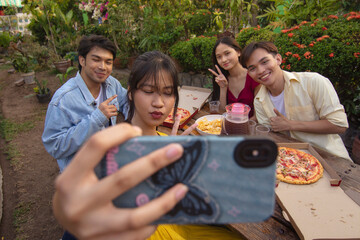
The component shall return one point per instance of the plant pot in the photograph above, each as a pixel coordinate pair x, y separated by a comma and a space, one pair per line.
28, 77
61, 66
356, 150
120, 62
44, 98
131, 61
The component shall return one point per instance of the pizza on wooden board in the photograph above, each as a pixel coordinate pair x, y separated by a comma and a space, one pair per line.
184, 114
297, 167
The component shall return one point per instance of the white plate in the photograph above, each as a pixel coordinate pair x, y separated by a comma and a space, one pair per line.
209, 118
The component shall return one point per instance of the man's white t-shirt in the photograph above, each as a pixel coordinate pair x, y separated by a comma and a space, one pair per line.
278, 102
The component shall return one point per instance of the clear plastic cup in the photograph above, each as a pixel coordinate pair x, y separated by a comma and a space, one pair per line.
214, 106
251, 125
262, 130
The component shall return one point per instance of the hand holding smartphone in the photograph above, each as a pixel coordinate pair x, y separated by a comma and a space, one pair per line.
230, 179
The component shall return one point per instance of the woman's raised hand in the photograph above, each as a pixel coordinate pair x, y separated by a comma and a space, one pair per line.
220, 79
175, 127
83, 204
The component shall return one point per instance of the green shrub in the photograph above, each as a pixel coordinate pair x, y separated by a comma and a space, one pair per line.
194, 54
158, 32
331, 47
37, 31
248, 35
5, 39
199, 21
95, 29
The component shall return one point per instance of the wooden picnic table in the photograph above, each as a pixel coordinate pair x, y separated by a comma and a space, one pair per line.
277, 227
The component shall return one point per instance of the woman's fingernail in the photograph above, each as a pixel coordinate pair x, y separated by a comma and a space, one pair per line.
174, 152
181, 192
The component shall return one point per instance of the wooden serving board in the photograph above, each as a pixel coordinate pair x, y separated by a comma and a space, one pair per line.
319, 210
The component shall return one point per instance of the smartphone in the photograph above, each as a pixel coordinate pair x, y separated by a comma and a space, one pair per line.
231, 179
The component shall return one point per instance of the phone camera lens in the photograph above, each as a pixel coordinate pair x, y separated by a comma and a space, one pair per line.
255, 153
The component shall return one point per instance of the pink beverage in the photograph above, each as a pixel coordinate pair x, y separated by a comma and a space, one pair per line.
235, 120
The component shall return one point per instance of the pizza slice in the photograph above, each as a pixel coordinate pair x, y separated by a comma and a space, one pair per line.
184, 114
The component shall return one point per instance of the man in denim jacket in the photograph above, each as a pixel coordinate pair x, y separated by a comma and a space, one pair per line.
86, 103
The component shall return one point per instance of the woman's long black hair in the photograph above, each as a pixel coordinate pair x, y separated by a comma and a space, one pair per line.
231, 42
149, 66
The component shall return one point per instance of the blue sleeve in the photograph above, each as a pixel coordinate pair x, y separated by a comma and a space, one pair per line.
122, 99
63, 136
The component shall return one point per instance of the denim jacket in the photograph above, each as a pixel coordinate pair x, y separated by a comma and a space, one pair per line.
72, 117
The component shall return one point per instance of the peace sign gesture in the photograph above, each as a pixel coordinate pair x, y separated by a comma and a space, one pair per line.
220, 79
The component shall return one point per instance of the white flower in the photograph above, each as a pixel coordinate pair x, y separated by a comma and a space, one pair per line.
89, 8
96, 13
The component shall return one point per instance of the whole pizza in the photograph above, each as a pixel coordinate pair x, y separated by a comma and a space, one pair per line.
297, 167
184, 114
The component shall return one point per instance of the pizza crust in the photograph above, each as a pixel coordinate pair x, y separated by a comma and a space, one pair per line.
297, 167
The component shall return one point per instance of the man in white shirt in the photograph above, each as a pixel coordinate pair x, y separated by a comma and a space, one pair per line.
302, 104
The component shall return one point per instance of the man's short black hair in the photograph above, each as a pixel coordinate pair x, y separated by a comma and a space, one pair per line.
89, 42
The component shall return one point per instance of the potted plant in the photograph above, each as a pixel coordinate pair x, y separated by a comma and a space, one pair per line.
25, 64
63, 76
43, 93
5, 40
73, 57
59, 31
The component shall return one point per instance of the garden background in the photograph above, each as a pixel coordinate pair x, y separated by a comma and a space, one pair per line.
312, 35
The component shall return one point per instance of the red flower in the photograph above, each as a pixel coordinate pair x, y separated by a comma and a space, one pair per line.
333, 16
307, 55
204, 14
288, 53
322, 38
288, 66
290, 35
296, 55
311, 45
301, 46
331, 55
324, 28
126, 31
284, 31
357, 54
282, 66
313, 24
347, 43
